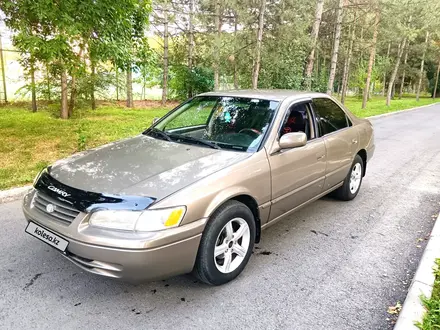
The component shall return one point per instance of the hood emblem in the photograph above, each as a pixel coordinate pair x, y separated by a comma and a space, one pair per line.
58, 191
50, 208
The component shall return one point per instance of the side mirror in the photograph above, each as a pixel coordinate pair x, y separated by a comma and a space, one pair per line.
155, 120
293, 140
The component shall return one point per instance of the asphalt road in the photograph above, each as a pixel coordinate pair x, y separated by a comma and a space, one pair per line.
332, 265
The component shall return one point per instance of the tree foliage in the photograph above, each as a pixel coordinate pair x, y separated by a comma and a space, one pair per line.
215, 43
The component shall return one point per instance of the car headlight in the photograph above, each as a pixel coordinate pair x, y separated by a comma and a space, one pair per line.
37, 177
148, 220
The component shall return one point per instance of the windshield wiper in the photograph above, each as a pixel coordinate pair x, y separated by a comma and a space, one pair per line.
191, 139
162, 134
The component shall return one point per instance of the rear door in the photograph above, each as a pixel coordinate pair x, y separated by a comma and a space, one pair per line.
340, 137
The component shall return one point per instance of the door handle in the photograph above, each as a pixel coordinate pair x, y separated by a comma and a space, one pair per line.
320, 157
354, 141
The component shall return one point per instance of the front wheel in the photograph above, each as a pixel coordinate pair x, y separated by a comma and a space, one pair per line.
352, 182
226, 244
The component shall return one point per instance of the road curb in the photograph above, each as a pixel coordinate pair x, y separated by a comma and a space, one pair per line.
13, 194
422, 283
392, 113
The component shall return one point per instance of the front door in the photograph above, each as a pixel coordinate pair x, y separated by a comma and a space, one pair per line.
297, 174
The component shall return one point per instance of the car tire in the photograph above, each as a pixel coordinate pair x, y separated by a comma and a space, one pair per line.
352, 182
223, 253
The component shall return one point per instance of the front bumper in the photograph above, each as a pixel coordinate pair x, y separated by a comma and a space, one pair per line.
135, 265
131, 257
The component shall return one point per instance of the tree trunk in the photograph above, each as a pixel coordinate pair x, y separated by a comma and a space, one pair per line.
385, 71
165, 57
48, 82
334, 60
434, 94
117, 83
338, 89
316, 70
33, 91
129, 88
217, 48
256, 67
64, 107
419, 86
235, 52
92, 89
72, 96
190, 43
394, 74
346, 74
402, 83
3, 69
366, 93
361, 42
307, 84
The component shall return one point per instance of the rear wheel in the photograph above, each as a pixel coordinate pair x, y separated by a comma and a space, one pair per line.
352, 182
226, 244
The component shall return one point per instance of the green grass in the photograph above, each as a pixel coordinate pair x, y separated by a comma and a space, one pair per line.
431, 319
31, 141
376, 106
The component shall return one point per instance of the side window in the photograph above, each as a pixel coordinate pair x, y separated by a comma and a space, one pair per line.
329, 115
297, 119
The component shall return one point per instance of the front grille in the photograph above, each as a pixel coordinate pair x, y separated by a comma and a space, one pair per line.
61, 211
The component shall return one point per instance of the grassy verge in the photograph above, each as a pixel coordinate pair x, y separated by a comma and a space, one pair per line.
31, 141
376, 106
431, 320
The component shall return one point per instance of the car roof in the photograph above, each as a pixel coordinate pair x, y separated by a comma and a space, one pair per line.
266, 94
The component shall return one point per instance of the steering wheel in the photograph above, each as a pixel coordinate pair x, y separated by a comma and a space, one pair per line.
250, 130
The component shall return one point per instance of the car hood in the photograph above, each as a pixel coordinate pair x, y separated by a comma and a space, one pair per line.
142, 166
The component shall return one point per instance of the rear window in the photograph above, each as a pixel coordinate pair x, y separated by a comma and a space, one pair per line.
329, 115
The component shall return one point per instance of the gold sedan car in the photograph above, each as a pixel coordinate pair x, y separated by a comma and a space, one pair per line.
194, 191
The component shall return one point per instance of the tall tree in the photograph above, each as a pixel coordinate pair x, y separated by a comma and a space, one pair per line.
385, 71
190, 42
53, 32
346, 73
405, 61
64, 98
396, 69
434, 93
371, 60
218, 40
235, 51
257, 59
425, 47
93, 83
307, 84
337, 39
33, 88
129, 88
165, 55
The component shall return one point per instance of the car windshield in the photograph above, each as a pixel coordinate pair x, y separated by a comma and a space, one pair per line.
219, 122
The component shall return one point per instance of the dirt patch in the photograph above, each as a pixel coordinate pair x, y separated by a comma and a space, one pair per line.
46, 150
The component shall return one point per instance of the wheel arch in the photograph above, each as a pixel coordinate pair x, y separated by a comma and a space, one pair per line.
250, 202
363, 154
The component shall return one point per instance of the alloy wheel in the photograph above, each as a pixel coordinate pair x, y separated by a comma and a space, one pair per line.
232, 245
355, 178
